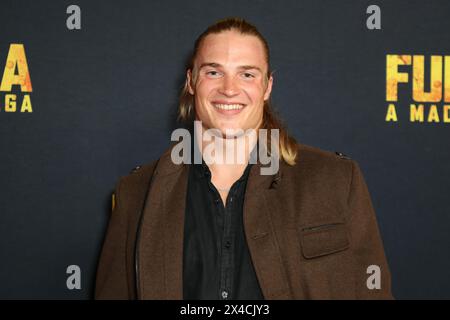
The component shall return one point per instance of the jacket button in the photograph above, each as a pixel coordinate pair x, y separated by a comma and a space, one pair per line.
135, 169
224, 294
228, 244
342, 156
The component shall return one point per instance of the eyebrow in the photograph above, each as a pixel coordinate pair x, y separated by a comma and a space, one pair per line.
218, 65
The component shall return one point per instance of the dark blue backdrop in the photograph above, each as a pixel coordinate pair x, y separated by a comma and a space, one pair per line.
104, 99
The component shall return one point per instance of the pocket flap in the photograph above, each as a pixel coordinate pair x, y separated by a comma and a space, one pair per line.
320, 240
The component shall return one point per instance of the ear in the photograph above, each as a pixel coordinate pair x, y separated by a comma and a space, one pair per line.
189, 81
269, 88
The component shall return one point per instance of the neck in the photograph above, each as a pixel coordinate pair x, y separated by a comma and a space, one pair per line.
226, 158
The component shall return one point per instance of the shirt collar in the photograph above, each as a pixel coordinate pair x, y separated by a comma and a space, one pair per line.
202, 170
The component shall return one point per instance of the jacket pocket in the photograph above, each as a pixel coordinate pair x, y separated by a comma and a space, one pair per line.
324, 239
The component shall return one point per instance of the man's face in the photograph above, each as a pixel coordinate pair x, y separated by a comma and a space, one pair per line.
230, 89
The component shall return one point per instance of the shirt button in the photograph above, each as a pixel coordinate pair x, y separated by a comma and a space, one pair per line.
224, 294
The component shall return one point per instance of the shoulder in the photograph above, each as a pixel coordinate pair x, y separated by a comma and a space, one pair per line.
321, 168
139, 176
136, 180
310, 153
321, 181
319, 159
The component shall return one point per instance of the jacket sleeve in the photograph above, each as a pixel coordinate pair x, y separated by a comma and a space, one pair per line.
111, 282
372, 275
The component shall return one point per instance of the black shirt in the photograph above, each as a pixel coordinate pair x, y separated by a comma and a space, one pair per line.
216, 259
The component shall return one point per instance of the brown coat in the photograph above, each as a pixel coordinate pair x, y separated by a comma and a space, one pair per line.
311, 231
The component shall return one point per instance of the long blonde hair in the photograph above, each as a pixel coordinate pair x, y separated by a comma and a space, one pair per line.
287, 144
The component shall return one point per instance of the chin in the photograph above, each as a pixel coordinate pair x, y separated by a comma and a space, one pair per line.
233, 132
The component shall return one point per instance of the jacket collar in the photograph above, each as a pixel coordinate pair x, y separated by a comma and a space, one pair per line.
167, 167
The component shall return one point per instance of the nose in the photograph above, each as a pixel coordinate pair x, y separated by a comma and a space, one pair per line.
229, 86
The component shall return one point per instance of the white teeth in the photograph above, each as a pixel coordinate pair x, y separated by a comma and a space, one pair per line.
229, 106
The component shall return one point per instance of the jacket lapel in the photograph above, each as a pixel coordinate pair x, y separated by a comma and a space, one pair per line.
260, 234
174, 213
161, 254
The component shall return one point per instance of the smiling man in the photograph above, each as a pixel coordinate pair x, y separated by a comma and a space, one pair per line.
223, 230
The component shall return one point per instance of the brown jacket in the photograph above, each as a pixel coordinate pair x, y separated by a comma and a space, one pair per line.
311, 231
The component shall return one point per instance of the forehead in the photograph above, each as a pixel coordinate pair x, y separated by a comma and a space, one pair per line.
233, 49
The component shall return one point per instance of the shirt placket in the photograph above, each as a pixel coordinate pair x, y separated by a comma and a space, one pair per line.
226, 245
227, 249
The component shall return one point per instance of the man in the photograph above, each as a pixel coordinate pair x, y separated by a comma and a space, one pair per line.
215, 230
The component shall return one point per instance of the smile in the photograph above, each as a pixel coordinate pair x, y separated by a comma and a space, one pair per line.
228, 106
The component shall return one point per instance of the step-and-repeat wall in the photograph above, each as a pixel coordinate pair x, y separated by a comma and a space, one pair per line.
89, 90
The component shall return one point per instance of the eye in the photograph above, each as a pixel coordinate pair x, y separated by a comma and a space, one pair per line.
248, 75
212, 73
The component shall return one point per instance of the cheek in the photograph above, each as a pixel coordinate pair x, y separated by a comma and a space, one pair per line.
255, 91
202, 92
204, 87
